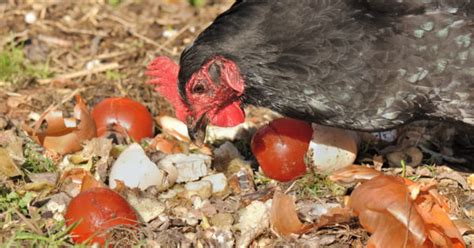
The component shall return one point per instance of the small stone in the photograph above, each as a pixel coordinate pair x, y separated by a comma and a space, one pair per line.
222, 220
202, 189
147, 207
30, 17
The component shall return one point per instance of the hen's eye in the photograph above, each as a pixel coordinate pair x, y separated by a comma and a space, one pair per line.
199, 88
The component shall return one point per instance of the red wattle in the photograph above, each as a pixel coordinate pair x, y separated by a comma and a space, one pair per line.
231, 115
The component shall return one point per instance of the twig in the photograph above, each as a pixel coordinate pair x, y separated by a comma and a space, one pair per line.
28, 222
150, 41
108, 55
73, 30
175, 36
54, 40
81, 73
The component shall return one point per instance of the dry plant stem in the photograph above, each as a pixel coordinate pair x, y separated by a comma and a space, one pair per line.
81, 73
28, 222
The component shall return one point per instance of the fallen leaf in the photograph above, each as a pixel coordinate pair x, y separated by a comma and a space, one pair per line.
8, 168
13, 144
64, 135
97, 151
454, 176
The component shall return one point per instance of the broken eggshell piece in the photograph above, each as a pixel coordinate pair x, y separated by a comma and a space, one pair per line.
63, 135
136, 170
190, 167
331, 148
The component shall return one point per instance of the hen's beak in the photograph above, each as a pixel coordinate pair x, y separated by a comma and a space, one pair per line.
197, 130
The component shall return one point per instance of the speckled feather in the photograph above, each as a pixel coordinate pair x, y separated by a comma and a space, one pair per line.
364, 65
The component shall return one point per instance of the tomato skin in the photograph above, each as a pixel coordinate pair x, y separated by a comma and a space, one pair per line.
97, 210
124, 116
280, 147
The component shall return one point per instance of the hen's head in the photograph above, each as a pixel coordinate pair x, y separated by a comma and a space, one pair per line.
209, 95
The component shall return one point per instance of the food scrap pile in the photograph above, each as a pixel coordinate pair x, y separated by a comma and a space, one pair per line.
90, 153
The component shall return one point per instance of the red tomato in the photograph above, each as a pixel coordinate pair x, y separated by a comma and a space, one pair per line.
280, 148
97, 210
123, 115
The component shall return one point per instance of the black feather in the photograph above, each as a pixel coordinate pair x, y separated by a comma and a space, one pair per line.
365, 65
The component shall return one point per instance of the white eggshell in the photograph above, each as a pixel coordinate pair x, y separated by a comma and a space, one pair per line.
216, 133
190, 167
331, 148
219, 183
135, 169
173, 127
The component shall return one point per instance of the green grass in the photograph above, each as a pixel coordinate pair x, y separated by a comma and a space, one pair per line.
197, 3
15, 67
114, 3
36, 162
113, 75
57, 236
318, 185
11, 199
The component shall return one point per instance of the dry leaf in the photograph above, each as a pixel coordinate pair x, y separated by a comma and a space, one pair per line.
64, 135
13, 145
7, 167
98, 151
399, 212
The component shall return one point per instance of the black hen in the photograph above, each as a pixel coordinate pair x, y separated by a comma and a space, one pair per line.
363, 65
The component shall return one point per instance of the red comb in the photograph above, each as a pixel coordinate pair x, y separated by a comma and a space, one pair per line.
165, 76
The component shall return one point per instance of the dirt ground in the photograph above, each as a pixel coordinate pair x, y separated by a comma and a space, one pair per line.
52, 50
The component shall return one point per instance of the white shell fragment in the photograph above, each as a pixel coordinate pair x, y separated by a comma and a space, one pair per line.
331, 148
215, 133
173, 127
202, 189
218, 182
190, 167
135, 169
